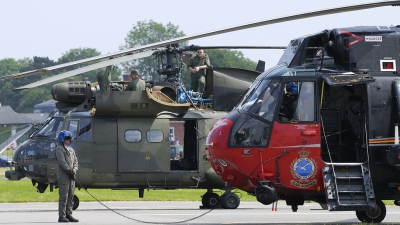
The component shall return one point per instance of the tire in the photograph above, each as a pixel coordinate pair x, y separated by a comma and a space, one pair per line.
230, 201
373, 215
76, 203
211, 200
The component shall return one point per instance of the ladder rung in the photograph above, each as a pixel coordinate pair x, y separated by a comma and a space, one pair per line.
350, 191
353, 205
352, 177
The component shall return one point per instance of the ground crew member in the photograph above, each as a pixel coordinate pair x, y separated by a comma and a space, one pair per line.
104, 79
67, 167
197, 66
136, 83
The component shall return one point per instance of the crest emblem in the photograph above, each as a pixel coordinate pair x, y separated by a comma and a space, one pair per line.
303, 170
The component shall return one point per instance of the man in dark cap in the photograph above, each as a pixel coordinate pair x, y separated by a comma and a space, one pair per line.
136, 83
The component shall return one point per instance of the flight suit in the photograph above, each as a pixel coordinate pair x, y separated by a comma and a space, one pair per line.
104, 79
198, 80
67, 160
136, 85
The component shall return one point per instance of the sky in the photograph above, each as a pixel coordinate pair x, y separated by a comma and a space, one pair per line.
51, 28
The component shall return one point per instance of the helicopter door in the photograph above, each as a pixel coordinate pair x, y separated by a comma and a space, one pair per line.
343, 117
143, 145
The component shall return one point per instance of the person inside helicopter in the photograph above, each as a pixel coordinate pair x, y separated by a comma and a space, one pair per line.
288, 102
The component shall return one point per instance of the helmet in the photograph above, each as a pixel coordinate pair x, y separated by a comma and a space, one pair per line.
293, 88
63, 134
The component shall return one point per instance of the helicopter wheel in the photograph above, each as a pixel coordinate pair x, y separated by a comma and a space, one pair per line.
76, 203
230, 201
373, 215
211, 200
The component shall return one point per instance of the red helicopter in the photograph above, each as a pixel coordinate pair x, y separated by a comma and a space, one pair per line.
321, 125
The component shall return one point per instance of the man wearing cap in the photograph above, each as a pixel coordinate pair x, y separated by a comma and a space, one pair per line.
197, 66
136, 83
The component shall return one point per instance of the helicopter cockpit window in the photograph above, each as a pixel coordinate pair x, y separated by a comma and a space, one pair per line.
133, 136
51, 129
262, 101
155, 136
85, 130
269, 100
73, 127
305, 106
253, 96
249, 131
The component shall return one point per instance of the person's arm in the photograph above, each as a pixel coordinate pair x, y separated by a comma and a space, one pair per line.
61, 159
129, 87
190, 66
75, 165
207, 63
205, 66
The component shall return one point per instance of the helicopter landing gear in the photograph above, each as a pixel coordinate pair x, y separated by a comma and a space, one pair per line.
397, 202
211, 200
76, 203
230, 201
266, 192
373, 215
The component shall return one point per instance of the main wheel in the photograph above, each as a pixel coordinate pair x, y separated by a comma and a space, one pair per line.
76, 203
230, 201
373, 215
211, 200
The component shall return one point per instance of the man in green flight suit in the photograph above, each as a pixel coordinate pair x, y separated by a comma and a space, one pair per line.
104, 78
136, 83
197, 66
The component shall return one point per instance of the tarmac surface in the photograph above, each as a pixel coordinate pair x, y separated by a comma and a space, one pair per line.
145, 212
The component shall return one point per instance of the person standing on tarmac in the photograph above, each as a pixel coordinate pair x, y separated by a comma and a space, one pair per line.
67, 167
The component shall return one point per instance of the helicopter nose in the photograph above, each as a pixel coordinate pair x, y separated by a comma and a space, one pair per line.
217, 139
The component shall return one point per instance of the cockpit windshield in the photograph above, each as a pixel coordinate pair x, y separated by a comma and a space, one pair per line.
50, 129
262, 99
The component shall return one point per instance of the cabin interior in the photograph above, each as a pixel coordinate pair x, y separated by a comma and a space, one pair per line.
343, 119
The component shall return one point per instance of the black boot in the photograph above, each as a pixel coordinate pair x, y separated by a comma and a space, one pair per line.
63, 220
72, 219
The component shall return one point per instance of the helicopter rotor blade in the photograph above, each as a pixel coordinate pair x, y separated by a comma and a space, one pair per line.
87, 68
185, 55
196, 47
211, 33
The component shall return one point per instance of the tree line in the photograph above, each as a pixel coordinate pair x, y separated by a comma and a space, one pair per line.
142, 33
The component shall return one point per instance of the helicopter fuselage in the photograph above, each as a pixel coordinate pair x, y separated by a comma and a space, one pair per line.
342, 115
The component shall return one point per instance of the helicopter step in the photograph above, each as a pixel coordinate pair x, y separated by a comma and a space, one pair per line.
348, 187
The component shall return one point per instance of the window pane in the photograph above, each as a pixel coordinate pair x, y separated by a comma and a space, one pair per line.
155, 136
249, 131
85, 130
73, 127
133, 136
305, 110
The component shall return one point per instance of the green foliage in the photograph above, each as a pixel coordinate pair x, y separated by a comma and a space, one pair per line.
9, 66
23, 101
78, 54
144, 33
23, 191
230, 58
